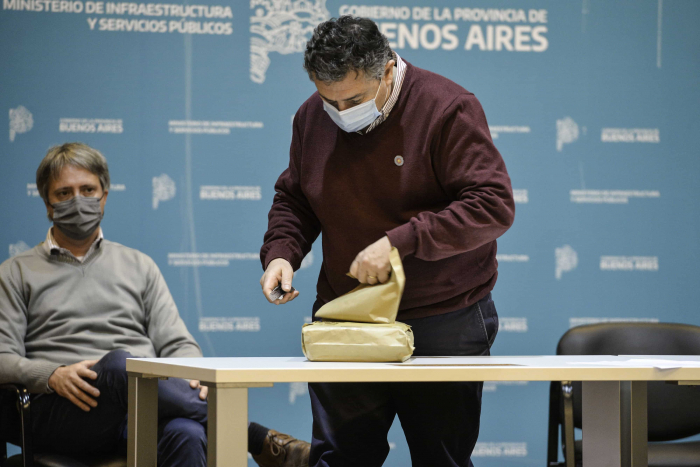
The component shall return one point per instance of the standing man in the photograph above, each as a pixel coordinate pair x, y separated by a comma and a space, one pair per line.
385, 155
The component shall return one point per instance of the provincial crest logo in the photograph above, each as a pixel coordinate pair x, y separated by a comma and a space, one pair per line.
566, 260
163, 189
567, 132
282, 26
21, 121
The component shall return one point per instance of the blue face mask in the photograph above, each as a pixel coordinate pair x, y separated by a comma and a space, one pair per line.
354, 118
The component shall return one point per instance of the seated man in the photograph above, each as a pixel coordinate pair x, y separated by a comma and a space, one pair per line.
72, 310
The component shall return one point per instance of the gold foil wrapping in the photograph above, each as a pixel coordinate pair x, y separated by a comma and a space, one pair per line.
361, 326
357, 342
370, 303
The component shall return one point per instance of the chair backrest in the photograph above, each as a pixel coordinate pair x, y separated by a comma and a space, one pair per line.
673, 411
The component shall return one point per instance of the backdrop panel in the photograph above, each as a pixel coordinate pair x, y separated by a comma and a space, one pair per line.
593, 104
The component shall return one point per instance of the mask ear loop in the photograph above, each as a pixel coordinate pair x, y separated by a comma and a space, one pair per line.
386, 95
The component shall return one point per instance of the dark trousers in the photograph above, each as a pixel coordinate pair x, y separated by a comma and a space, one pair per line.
61, 427
440, 420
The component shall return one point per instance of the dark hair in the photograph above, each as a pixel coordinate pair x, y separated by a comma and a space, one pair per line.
349, 43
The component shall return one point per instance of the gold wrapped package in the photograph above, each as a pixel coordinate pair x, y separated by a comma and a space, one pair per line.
370, 303
361, 326
324, 341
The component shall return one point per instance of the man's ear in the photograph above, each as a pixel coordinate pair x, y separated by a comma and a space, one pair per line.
389, 67
104, 199
389, 73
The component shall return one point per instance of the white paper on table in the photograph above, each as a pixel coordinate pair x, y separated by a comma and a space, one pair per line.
655, 362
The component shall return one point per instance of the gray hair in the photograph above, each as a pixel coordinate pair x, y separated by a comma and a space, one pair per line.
349, 43
75, 154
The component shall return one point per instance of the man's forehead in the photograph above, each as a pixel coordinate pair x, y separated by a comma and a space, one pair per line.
71, 174
352, 84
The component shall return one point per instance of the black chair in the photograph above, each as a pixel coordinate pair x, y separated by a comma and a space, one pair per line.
673, 411
19, 396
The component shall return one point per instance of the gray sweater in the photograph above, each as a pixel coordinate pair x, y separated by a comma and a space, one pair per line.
57, 311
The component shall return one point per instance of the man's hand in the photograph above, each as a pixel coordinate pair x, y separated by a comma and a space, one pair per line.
279, 271
68, 382
203, 390
372, 264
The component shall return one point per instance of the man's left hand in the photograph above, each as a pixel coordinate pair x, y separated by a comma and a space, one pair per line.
203, 390
371, 265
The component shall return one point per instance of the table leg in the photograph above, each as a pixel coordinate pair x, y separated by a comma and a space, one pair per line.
143, 422
639, 442
601, 424
227, 427
615, 424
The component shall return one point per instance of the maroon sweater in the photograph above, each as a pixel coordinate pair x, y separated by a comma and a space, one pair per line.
443, 208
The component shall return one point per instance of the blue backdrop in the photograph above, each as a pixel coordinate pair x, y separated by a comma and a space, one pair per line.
594, 105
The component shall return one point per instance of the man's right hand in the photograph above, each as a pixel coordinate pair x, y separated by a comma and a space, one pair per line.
278, 272
68, 382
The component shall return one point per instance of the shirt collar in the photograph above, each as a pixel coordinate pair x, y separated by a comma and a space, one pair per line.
399, 74
52, 248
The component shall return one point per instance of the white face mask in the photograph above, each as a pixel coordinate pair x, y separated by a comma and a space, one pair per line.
354, 118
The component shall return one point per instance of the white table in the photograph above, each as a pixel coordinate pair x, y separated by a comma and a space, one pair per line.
615, 430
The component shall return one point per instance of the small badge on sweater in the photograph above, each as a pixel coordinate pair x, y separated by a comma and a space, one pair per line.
398, 160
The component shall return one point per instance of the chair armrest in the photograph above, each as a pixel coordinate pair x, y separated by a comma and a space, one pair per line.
12, 387
22, 395
23, 404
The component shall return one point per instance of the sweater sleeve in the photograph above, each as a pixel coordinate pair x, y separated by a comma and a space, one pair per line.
14, 366
165, 328
472, 172
292, 225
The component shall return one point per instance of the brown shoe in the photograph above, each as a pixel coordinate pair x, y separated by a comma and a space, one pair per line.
280, 450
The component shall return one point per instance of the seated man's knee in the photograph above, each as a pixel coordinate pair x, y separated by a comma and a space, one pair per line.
184, 439
113, 362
